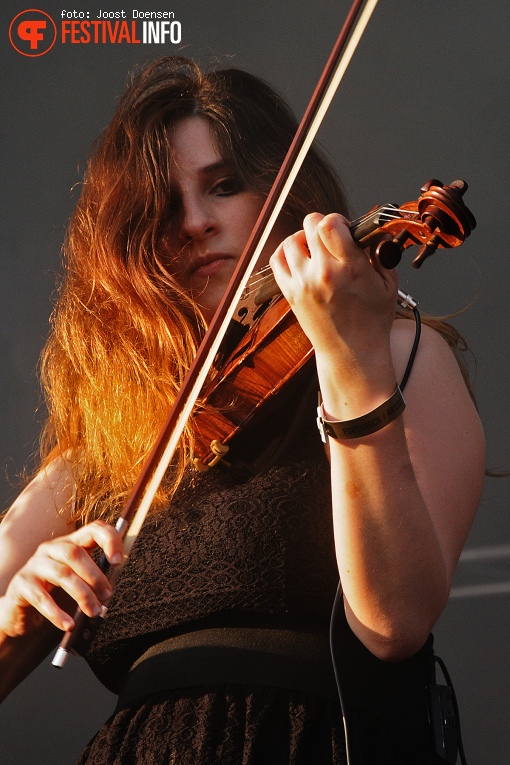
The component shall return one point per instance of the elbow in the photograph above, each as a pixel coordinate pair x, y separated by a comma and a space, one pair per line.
405, 636
397, 648
399, 638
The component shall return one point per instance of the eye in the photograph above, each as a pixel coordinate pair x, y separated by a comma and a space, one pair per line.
226, 187
173, 207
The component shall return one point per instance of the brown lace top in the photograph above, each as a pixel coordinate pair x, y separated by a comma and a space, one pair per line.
233, 550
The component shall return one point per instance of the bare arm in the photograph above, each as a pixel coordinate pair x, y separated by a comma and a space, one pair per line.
44, 562
404, 497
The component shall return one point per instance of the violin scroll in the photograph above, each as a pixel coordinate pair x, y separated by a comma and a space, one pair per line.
443, 210
438, 219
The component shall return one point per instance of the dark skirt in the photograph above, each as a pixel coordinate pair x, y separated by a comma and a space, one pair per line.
241, 725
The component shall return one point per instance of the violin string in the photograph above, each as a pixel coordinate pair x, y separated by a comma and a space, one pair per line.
392, 213
389, 210
388, 213
260, 276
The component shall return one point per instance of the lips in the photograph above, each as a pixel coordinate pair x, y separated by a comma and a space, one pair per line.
207, 265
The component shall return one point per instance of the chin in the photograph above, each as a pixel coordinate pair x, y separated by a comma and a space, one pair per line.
208, 307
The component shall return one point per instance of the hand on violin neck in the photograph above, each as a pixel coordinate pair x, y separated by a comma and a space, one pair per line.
344, 304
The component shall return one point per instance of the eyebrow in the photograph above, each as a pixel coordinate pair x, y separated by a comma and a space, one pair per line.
207, 171
222, 164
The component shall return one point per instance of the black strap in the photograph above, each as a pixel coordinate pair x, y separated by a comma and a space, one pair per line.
299, 661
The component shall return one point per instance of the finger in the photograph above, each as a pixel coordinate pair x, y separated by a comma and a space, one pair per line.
28, 600
103, 535
45, 574
334, 233
311, 230
72, 563
330, 234
278, 262
285, 257
27, 609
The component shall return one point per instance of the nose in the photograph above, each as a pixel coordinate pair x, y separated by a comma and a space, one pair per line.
197, 220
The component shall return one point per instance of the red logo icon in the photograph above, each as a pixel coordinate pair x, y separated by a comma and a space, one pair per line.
32, 33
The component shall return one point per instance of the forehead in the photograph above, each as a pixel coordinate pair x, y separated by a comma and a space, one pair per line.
193, 147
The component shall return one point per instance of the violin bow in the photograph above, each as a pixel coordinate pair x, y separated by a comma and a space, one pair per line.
140, 500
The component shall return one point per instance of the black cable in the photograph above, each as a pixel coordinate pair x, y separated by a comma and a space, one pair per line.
334, 612
456, 708
417, 335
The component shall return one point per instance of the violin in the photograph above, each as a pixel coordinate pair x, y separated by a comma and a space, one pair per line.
265, 346
438, 219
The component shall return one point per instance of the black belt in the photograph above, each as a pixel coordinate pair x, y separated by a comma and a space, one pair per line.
299, 661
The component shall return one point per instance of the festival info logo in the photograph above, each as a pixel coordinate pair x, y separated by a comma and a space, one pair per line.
32, 32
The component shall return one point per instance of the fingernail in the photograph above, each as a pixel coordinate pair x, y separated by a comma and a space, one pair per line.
117, 558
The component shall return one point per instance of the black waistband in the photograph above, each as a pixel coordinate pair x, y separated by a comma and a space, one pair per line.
299, 661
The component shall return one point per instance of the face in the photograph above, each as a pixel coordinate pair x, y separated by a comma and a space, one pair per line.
212, 216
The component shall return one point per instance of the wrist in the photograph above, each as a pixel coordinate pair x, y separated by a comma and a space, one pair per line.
359, 427
351, 390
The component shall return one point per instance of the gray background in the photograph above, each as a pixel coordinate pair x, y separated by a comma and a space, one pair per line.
426, 96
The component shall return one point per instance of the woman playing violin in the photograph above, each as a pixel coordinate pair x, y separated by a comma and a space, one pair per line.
216, 636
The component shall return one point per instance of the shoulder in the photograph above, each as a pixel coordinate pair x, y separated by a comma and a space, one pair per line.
436, 392
54, 485
434, 353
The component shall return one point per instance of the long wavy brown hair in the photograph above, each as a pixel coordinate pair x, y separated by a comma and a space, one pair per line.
123, 332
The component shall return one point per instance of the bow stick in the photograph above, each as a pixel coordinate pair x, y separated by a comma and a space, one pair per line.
139, 502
